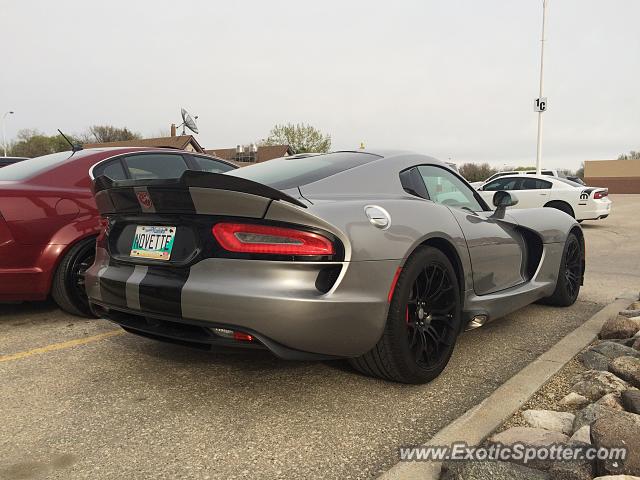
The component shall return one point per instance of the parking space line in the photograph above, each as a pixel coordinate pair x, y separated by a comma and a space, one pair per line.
60, 346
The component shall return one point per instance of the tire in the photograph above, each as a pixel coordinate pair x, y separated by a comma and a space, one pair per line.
569, 275
562, 206
67, 289
417, 343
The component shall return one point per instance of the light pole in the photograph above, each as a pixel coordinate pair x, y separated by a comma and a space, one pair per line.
541, 107
4, 137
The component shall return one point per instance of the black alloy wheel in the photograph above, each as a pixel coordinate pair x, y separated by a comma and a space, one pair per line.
423, 322
429, 316
569, 274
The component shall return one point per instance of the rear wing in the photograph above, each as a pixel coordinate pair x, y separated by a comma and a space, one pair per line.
194, 192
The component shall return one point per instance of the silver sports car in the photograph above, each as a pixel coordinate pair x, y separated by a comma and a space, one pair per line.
379, 257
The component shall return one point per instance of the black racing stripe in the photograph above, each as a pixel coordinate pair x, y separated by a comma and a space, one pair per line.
113, 284
125, 200
166, 200
161, 290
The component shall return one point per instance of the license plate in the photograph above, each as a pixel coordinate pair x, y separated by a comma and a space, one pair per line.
153, 242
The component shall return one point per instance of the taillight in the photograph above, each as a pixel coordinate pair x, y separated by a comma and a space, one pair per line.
600, 194
265, 239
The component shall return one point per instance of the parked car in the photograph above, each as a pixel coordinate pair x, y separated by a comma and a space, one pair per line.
49, 220
548, 172
380, 258
582, 203
4, 161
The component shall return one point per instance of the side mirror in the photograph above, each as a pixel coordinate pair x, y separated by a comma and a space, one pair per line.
502, 200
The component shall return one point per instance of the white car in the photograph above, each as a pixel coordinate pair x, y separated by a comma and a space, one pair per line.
550, 172
579, 201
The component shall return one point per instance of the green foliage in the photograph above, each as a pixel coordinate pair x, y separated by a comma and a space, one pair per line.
632, 155
300, 137
476, 172
32, 143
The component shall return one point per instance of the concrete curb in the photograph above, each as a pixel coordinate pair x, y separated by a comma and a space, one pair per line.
479, 422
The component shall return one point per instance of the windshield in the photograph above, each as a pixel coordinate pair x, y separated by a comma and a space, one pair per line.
284, 173
28, 168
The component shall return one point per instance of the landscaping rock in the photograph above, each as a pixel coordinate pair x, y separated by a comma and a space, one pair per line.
582, 435
489, 471
594, 360
589, 414
626, 368
631, 401
611, 400
636, 344
617, 477
619, 326
629, 313
627, 342
549, 420
613, 350
573, 469
594, 384
528, 436
621, 429
574, 400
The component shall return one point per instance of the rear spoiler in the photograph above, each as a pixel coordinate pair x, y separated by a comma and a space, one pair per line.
186, 194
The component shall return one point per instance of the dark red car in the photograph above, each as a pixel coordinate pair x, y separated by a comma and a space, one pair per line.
49, 220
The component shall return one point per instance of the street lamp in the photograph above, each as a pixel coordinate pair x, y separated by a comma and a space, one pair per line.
541, 103
4, 137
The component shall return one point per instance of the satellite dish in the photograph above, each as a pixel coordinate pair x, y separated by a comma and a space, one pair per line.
188, 121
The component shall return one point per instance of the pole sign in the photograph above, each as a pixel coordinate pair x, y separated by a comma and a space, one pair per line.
540, 104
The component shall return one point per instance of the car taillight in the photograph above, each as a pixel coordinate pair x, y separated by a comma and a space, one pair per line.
265, 239
600, 194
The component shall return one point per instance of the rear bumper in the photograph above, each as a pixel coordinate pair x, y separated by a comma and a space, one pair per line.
280, 303
595, 210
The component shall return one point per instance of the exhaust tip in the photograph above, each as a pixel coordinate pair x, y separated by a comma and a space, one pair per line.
477, 322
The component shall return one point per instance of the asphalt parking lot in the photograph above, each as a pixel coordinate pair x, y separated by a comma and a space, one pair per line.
79, 399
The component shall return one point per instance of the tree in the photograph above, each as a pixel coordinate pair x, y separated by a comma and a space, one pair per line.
476, 172
108, 133
300, 137
580, 171
32, 143
632, 155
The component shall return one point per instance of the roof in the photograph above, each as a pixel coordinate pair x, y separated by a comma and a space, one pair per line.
179, 142
264, 153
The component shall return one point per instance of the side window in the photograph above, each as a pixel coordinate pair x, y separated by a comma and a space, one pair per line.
445, 188
155, 165
534, 184
211, 165
509, 183
113, 170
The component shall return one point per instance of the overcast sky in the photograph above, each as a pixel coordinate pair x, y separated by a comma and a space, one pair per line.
450, 78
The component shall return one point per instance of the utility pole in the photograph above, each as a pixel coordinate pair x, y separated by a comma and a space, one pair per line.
4, 136
541, 103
